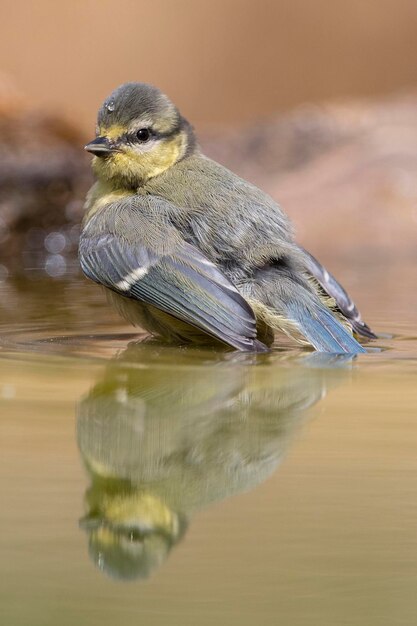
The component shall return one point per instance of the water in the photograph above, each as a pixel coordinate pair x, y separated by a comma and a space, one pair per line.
144, 484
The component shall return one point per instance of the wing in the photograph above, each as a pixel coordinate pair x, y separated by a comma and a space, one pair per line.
335, 290
182, 283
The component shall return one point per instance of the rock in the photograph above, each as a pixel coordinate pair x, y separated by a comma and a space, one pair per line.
44, 176
346, 173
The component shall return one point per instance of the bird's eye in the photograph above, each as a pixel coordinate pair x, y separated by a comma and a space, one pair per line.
143, 134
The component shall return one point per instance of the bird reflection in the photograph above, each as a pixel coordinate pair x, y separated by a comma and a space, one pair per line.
162, 440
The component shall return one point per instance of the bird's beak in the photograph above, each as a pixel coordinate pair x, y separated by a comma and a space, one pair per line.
99, 147
90, 522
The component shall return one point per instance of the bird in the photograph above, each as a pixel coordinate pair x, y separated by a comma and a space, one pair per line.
191, 252
159, 448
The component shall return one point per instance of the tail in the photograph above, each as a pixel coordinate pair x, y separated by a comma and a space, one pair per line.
335, 290
322, 329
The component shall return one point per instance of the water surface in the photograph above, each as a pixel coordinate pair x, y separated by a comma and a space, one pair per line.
145, 484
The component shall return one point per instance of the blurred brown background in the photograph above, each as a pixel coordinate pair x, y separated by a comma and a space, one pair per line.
313, 100
222, 61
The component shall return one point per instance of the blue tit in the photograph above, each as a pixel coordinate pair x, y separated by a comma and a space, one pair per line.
190, 251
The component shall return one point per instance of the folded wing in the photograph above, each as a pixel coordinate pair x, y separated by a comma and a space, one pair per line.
182, 283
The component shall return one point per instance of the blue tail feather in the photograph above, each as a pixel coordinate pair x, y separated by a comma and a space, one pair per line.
323, 330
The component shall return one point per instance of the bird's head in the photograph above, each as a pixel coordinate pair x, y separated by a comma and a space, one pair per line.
130, 532
139, 135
